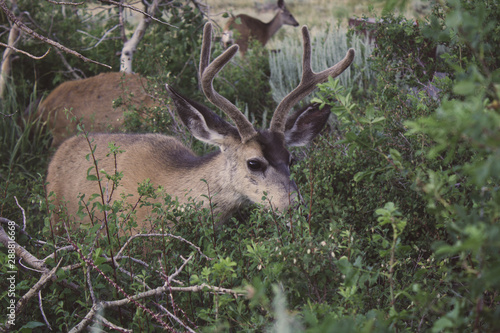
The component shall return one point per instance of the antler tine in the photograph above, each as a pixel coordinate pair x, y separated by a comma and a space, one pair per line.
307, 83
208, 71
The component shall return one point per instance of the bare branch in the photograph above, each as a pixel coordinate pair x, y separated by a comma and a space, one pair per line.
8, 222
24, 52
118, 288
161, 235
171, 315
111, 325
64, 248
99, 40
116, 3
44, 279
71, 69
40, 304
165, 288
65, 3
86, 320
171, 277
21, 252
44, 39
23, 212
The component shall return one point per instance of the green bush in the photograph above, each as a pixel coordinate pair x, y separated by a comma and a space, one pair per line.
245, 82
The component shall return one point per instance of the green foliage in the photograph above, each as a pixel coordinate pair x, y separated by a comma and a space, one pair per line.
399, 231
24, 144
169, 52
245, 82
72, 26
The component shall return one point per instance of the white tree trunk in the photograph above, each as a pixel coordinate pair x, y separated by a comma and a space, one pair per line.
130, 46
6, 59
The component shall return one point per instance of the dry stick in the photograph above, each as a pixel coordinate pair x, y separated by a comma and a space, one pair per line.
111, 325
44, 39
100, 39
21, 252
40, 304
139, 11
65, 3
98, 306
119, 253
23, 212
189, 329
6, 66
5, 221
164, 288
31, 260
174, 306
44, 279
24, 52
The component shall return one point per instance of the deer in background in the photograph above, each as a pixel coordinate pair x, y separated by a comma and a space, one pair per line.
249, 28
91, 100
250, 162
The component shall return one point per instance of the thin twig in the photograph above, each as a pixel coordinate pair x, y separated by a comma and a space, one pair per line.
23, 212
65, 3
44, 39
189, 329
44, 279
99, 40
24, 52
111, 325
119, 253
139, 11
40, 304
128, 298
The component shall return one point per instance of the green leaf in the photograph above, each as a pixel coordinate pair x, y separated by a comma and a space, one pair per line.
464, 88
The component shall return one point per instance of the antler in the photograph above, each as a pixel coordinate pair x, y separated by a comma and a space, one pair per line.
208, 71
307, 83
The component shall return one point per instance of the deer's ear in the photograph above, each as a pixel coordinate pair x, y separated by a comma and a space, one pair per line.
303, 125
203, 123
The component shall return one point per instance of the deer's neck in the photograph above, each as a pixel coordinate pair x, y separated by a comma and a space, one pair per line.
273, 26
214, 185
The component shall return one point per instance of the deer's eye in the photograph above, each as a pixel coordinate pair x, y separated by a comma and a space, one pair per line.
256, 165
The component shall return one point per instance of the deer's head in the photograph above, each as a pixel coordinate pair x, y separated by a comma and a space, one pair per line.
256, 162
285, 16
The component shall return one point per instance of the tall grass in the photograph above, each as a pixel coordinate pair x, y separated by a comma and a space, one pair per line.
24, 140
328, 47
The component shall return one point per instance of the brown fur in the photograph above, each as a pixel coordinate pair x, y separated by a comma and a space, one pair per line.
166, 162
92, 99
249, 165
251, 28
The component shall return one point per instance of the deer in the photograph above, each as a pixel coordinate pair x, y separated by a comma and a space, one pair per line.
249, 28
249, 164
90, 100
